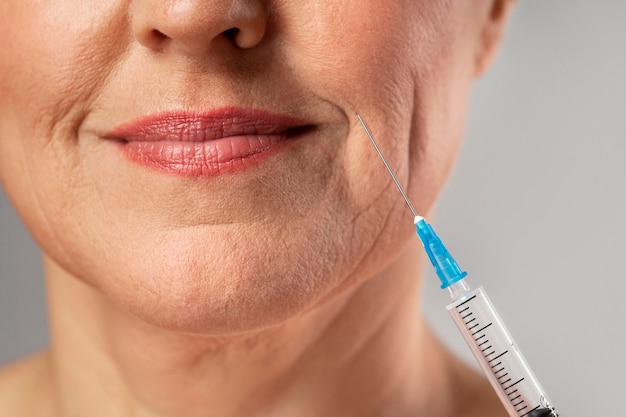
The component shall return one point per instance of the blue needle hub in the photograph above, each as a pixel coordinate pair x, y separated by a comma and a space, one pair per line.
446, 267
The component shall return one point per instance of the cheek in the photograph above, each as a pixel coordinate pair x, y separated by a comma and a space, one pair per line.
350, 59
395, 64
59, 55
440, 106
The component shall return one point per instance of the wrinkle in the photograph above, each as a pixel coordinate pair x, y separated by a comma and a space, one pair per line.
77, 76
41, 213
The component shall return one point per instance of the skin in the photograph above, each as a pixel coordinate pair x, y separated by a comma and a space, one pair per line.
290, 288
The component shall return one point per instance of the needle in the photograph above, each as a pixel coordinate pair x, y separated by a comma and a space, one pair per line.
393, 176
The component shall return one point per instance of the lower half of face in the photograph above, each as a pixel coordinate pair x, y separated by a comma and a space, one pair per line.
109, 150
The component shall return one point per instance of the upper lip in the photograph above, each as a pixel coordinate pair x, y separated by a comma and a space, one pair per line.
206, 126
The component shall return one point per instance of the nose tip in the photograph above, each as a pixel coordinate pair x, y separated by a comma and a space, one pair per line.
193, 27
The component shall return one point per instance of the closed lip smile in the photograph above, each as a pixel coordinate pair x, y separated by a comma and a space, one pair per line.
209, 143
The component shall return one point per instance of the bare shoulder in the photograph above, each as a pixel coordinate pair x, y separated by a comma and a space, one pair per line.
23, 384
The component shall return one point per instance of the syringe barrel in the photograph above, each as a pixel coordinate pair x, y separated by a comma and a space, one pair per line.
500, 359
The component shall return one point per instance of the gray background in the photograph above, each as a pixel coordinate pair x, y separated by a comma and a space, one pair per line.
534, 211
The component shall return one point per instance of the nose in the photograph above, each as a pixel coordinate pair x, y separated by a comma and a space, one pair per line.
195, 27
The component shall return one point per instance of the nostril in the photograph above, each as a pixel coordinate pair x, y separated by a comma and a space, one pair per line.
158, 35
231, 34
155, 39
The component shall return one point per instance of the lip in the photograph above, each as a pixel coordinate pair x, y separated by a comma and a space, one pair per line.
205, 144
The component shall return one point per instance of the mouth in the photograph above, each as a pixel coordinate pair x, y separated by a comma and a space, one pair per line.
206, 144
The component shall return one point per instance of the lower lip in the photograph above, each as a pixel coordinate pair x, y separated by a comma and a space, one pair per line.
206, 158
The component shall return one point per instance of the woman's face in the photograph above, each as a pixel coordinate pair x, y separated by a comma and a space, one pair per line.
200, 162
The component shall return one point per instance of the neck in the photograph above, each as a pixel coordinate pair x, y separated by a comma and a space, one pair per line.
366, 352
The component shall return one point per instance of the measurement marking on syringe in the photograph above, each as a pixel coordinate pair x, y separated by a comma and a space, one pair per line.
481, 329
513, 384
529, 411
503, 353
496, 353
466, 301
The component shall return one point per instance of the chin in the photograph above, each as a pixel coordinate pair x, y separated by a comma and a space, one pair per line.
203, 310
228, 284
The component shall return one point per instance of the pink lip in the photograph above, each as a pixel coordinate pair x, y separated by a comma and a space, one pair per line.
205, 144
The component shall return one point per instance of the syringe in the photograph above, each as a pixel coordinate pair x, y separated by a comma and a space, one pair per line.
480, 324
486, 335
